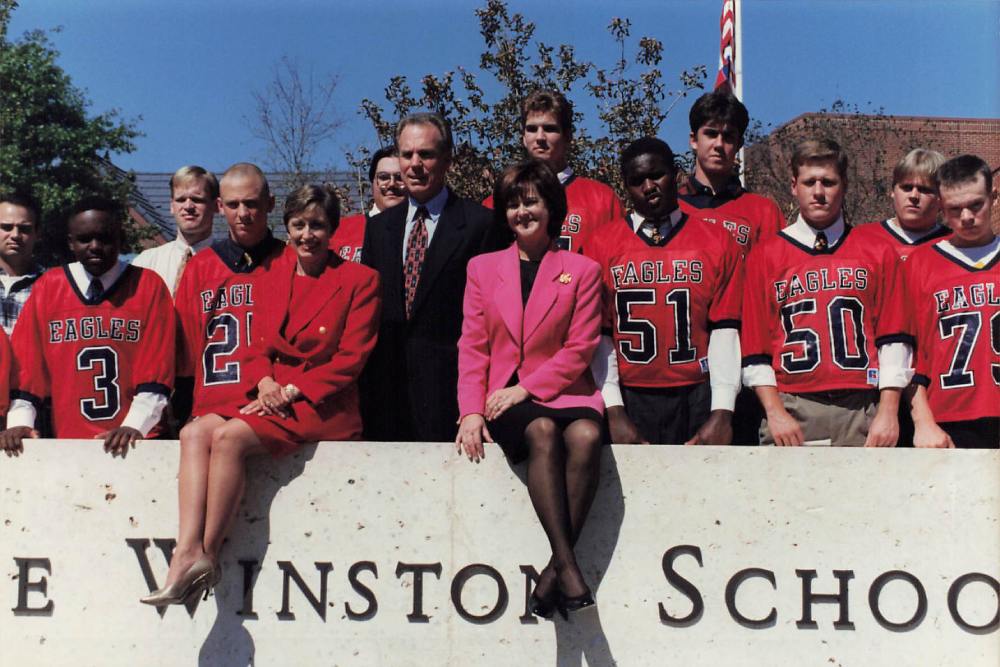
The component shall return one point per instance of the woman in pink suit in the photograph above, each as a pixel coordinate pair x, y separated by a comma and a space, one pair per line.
531, 324
313, 334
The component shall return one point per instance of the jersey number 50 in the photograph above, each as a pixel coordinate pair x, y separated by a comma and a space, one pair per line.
839, 311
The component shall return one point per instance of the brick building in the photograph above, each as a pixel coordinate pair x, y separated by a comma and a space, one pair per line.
874, 143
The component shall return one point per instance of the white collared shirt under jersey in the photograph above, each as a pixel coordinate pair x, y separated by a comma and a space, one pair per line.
434, 207
911, 236
724, 354
565, 175
672, 220
804, 233
147, 407
975, 256
895, 360
166, 259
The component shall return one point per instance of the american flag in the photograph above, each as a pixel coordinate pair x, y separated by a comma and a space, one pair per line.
726, 78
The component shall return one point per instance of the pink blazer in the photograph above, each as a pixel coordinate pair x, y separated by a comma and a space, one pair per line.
549, 342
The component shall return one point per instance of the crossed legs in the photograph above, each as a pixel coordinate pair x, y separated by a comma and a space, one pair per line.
209, 486
563, 471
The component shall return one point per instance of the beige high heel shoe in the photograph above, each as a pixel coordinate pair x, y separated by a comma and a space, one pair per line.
201, 576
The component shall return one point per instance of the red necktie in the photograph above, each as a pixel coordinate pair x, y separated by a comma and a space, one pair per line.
416, 248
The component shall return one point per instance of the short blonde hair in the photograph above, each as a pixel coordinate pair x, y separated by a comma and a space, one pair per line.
921, 162
244, 169
193, 172
819, 150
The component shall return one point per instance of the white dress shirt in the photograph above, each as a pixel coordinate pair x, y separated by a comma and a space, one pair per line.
724, 353
911, 236
434, 207
147, 407
167, 259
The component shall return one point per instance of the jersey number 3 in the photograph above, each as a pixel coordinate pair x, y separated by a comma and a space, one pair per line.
108, 401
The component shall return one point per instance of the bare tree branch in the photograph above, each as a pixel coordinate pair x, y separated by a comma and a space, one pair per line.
295, 116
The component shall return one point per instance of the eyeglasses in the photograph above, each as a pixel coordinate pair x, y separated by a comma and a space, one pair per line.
387, 177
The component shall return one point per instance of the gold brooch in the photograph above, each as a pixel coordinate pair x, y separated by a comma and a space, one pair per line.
322, 330
564, 278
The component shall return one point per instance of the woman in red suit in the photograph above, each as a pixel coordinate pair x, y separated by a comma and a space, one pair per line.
531, 324
313, 335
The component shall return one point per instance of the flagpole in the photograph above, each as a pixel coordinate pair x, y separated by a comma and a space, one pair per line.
738, 51
738, 56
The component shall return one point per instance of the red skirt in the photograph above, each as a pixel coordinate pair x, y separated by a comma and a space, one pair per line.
336, 418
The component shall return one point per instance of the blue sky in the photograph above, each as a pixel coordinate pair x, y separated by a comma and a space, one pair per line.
188, 68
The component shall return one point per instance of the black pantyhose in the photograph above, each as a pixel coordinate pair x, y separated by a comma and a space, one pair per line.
562, 480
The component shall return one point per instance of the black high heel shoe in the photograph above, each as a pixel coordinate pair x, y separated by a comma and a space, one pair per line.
570, 605
543, 607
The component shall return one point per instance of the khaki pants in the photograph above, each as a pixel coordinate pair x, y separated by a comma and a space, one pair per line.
837, 418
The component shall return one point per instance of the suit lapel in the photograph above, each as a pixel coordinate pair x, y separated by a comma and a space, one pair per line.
508, 291
543, 293
318, 298
448, 236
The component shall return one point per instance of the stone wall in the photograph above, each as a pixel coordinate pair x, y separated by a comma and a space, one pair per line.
405, 554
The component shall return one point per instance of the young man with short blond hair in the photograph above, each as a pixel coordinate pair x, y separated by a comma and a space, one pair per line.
823, 335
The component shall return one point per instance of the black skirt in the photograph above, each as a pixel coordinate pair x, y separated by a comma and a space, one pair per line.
508, 429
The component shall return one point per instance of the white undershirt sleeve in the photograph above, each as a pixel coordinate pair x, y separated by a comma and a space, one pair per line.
724, 367
895, 364
147, 408
21, 413
605, 370
756, 375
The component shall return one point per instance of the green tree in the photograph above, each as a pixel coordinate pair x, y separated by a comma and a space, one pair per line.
631, 97
50, 146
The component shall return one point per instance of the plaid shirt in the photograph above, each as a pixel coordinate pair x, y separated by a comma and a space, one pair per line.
12, 300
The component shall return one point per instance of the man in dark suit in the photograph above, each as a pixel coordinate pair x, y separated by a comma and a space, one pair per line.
420, 249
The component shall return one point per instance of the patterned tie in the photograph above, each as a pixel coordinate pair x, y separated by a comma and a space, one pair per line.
416, 248
95, 291
188, 254
820, 243
652, 230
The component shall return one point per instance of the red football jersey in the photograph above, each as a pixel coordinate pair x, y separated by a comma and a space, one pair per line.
817, 316
954, 314
92, 359
215, 304
349, 237
903, 247
750, 217
590, 204
6, 356
661, 301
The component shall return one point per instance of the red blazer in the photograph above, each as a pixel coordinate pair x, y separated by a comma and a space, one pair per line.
549, 342
324, 356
